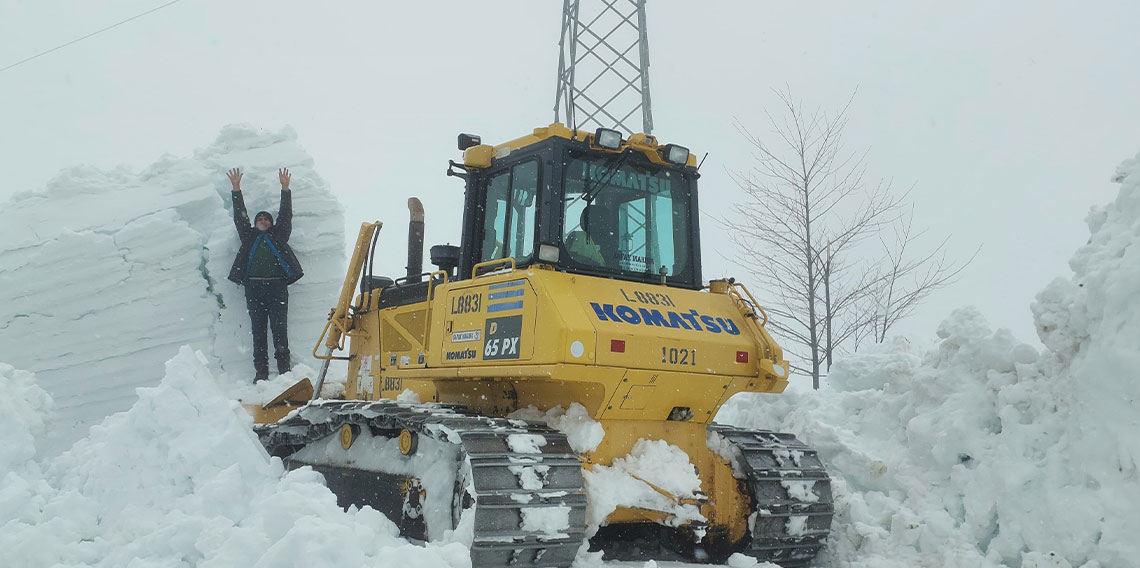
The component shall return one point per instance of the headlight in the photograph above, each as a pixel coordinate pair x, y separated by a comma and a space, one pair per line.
675, 154
468, 140
608, 139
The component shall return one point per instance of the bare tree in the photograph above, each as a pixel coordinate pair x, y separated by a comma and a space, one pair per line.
906, 281
806, 206
806, 210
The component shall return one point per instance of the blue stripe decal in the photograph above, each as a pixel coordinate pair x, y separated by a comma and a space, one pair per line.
505, 285
505, 294
504, 306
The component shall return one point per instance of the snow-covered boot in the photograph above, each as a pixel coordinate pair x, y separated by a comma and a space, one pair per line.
261, 370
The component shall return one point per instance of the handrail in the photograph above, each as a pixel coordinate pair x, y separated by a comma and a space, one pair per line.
328, 356
430, 299
507, 260
337, 326
432, 280
755, 304
406, 280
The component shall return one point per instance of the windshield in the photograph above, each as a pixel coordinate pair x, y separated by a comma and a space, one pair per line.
626, 218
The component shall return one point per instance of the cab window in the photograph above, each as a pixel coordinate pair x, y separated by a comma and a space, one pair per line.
509, 214
626, 219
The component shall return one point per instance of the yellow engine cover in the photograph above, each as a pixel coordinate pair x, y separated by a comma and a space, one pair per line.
540, 337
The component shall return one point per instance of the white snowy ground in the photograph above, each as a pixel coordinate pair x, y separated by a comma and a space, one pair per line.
980, 452
104, 274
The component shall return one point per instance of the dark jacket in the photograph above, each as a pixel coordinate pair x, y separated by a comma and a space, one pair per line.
278, 236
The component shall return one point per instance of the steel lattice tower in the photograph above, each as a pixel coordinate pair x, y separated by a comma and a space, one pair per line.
603, 66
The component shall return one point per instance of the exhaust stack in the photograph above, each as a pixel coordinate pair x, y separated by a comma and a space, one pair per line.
415, 240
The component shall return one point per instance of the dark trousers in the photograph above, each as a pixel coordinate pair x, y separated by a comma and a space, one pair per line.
268, 302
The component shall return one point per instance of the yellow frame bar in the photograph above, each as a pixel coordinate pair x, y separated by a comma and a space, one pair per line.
340, 322
507, 260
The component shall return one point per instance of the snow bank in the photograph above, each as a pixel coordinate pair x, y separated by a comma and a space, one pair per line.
23, 409
104, 274
180, 480
983, 452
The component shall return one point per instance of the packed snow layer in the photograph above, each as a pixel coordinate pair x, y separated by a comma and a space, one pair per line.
180, 480
982, 451
104, 274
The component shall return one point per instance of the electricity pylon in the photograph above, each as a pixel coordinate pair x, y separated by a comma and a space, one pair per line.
603, 66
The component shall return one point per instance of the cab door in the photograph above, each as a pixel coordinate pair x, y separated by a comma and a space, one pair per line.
509, 214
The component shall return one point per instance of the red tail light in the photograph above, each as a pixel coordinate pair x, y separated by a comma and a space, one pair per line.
617, 345
741, 356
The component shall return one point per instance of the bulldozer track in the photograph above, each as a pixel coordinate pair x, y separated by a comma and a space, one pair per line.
494, 485
789, 489
792, 504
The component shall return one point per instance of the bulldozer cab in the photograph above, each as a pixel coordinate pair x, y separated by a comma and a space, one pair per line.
560, 199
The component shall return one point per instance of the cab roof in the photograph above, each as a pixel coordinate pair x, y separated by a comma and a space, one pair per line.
481, 156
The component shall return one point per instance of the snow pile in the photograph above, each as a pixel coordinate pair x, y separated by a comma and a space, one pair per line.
180, 480
627, 483
583, 433
983, 452
23, 410
265, 391
104, 274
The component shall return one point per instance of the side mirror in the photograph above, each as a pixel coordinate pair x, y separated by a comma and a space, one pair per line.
468, 140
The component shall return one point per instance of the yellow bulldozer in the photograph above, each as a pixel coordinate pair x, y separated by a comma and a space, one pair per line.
520, 397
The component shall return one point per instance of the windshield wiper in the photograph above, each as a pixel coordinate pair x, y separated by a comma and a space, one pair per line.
593, 187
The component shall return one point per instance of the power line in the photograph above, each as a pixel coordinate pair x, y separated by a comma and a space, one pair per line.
94, 33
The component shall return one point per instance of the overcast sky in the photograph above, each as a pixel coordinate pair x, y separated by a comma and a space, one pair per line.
1008, 118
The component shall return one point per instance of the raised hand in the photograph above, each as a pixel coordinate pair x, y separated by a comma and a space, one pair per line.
235, 178
285, 177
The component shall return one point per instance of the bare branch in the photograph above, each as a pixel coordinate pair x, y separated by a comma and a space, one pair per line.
806, 212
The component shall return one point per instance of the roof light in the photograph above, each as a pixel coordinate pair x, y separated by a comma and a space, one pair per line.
608, 139
675, 154
468, 140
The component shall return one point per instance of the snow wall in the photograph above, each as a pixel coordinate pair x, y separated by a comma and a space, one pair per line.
104, 274
984, 452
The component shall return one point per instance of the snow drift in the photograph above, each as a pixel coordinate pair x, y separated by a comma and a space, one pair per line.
104, 274
179, 480
983, 452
